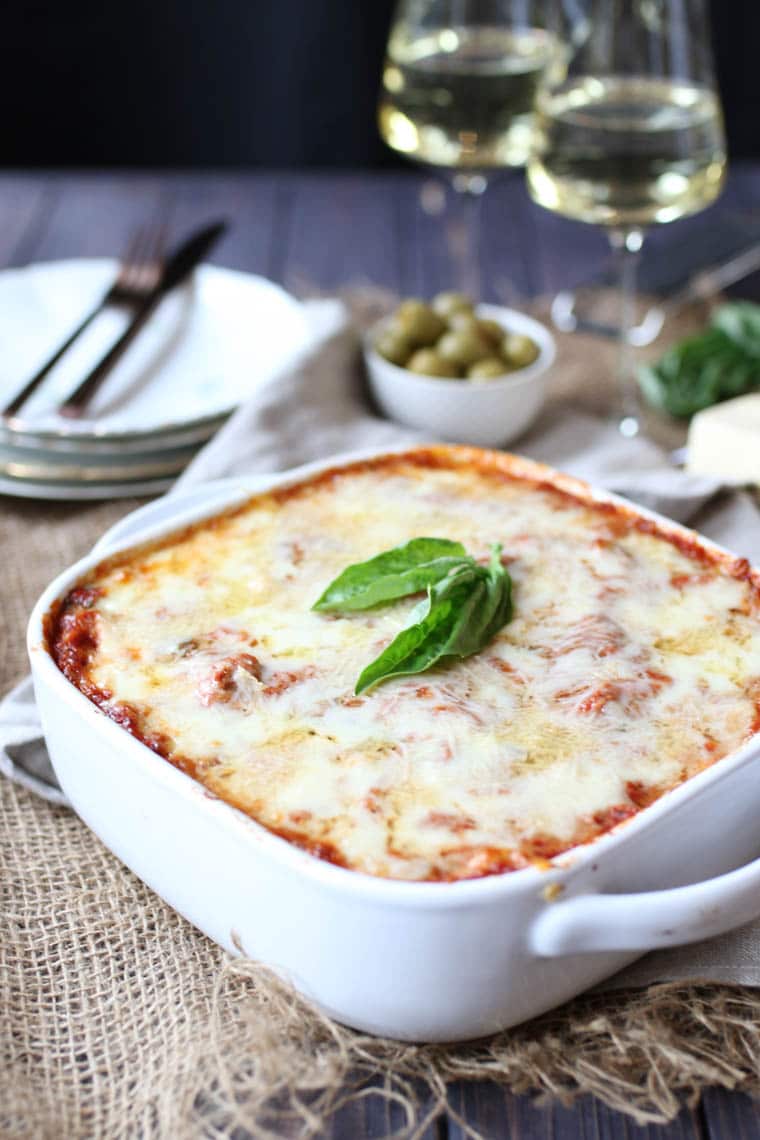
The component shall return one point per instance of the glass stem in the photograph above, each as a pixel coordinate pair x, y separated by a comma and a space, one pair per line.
626, 245
470, 188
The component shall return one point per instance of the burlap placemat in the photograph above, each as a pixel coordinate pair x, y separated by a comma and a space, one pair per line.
119, 1019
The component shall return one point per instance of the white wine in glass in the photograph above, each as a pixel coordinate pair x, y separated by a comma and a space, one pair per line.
628, 151
458, 92
463, 96
631, 135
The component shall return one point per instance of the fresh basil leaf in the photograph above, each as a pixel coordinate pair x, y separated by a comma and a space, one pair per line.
499, 584
411, 651
404, 570
466, 624
740, 321
488, 609
718, 364
459, 616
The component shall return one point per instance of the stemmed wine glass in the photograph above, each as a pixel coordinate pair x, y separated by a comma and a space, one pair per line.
458, 89
629, 134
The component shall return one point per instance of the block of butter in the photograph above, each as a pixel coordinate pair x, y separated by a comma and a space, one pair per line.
724, 441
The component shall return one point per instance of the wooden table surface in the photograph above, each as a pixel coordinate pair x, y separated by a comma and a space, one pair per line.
323, 231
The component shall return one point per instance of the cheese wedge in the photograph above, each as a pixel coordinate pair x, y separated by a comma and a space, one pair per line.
724, 441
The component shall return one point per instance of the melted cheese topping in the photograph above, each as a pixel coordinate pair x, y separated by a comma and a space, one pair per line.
630, 664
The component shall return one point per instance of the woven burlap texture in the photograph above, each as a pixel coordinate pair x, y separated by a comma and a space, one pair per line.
118, 1019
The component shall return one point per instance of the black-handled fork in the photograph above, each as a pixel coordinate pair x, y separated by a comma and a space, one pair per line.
177, 266
139, 272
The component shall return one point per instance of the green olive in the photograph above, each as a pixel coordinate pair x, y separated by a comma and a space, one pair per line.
463, 347
428, 362
418, 322
492, 331
463, 319
446, 304
488, 368
519, 350
394, 345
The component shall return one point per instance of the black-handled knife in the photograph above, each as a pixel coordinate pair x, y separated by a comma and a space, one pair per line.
176, 268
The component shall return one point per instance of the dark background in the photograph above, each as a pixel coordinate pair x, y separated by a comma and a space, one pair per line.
241, 82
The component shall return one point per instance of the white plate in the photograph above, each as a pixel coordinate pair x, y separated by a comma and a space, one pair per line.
203, 351
158, 466
82, 492
54, 444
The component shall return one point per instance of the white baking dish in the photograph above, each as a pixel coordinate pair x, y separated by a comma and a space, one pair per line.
417, 961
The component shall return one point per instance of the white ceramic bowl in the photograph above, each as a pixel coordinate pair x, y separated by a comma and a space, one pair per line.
487, 413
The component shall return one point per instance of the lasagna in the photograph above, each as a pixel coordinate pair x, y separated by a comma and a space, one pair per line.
632, 662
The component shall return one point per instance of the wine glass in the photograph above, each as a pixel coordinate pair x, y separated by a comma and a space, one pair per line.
629, 134
458, 90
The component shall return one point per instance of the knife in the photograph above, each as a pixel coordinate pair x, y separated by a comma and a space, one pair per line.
177, 267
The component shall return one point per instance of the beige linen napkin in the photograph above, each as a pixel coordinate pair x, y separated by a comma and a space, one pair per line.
319, 408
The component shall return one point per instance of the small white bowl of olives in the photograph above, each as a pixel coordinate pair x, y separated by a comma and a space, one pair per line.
471, 374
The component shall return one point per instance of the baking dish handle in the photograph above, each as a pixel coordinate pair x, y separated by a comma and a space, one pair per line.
650, 919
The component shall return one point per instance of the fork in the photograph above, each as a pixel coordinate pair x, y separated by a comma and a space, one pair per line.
138, 274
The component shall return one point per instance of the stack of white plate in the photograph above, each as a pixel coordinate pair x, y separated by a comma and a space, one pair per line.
74, 465
203, 352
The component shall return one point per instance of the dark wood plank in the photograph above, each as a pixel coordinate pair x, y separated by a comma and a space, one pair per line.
605, 1124
25, 204
695, 229
567, 253
248, 201
499, 1114
742, 190
441, 234
572, 253
510, 268
401, 232
94, 215
730, 1115
433, 232
343, 230
374, 1118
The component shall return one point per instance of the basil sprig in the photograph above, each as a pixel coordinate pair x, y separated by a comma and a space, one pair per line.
466, 604
395, 574
717, 364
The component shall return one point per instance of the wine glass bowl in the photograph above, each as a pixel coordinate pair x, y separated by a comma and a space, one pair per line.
458, 93
459, 84
629, 134
627, 150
